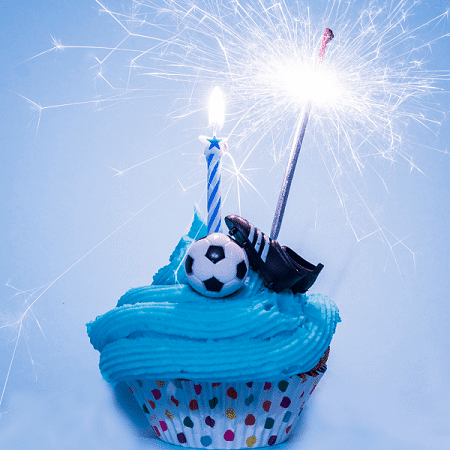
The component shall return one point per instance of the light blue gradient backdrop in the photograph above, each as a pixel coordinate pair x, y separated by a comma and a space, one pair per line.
387, 384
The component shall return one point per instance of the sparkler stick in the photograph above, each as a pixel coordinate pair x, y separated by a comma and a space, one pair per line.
296, 147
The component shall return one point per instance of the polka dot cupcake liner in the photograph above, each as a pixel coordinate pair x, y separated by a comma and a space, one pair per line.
224, 415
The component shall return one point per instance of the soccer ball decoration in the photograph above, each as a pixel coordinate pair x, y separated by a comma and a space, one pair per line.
215, 265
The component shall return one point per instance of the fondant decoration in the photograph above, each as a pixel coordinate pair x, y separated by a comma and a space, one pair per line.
279, 266
216, 266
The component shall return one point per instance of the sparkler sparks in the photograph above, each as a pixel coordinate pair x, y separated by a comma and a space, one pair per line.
373, 84
371, 87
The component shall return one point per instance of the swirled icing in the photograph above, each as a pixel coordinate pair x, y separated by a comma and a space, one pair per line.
167, 330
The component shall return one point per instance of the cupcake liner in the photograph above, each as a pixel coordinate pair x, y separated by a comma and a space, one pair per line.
224, 415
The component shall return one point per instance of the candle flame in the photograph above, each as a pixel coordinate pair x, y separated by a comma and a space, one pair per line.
216, 108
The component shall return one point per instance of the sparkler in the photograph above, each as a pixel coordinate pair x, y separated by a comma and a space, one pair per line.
297, 145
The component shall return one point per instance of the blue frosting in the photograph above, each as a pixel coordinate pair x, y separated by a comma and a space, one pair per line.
167, 330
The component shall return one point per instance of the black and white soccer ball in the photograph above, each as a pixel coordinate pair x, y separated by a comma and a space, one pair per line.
215, 265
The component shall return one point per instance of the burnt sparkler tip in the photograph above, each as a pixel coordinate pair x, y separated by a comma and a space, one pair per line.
329, 34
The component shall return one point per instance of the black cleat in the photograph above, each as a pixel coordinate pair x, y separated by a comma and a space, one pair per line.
279, 266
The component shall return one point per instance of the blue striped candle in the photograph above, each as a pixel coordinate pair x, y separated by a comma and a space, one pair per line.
213, 152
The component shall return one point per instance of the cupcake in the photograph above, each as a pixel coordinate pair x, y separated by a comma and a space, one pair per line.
231, 372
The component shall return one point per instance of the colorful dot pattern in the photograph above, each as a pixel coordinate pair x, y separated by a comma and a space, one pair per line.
222, 415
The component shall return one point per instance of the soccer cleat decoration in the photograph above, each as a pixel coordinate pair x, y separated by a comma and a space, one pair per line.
279, 266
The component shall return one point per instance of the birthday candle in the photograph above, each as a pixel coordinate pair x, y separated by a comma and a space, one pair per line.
213, 152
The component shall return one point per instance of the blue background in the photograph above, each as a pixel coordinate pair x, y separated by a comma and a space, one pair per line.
387, 383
